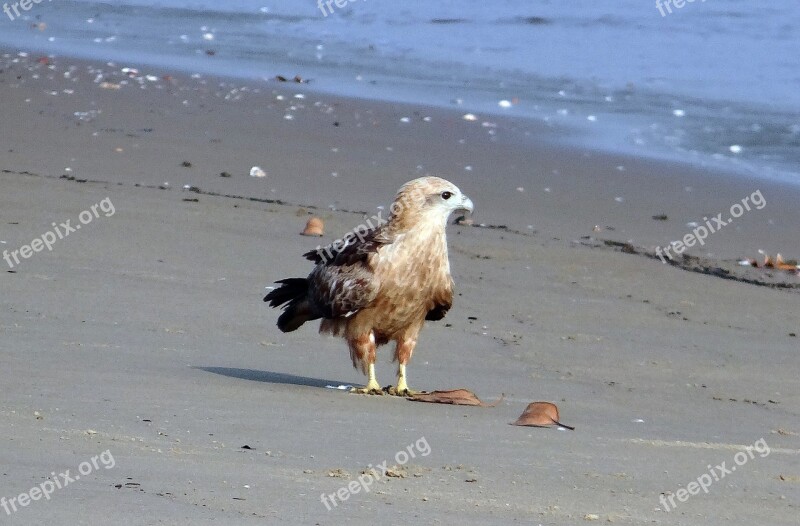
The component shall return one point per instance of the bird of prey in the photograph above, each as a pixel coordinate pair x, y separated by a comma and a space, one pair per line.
379, 285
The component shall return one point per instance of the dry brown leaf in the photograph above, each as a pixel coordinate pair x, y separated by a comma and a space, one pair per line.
540, 414
454, 396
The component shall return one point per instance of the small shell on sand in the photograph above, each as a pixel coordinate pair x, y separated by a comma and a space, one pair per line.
256, 171
314, 227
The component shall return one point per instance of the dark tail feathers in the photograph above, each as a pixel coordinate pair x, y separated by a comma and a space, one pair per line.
292, 292
291, 289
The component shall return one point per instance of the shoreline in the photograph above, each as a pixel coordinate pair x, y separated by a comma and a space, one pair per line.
587, 106
562, 133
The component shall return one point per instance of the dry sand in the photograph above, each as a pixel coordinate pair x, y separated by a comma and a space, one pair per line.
144, 333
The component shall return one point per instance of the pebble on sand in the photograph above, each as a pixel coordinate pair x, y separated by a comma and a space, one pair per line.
256, 171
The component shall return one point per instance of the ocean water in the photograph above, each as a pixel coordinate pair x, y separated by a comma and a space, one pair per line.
715, 82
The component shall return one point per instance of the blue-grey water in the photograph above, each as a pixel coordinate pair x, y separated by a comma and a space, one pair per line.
715, 82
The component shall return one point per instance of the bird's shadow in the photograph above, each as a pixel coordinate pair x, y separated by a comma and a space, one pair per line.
271, 377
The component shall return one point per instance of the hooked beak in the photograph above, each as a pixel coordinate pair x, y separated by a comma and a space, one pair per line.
466, 204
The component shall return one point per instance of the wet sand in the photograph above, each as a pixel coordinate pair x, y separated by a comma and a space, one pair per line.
144, 333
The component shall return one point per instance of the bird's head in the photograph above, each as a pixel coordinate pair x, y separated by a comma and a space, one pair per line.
428, 199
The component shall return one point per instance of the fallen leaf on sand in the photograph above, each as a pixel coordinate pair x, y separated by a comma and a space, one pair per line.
540, 414
454, 397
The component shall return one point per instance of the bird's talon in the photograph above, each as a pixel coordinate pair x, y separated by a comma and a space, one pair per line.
405, 392
367, 390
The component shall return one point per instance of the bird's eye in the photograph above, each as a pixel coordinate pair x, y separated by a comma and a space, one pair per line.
446, 195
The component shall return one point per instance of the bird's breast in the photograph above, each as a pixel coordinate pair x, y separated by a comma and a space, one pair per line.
412, 275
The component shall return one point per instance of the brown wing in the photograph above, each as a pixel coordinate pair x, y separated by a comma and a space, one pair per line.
343, 280
342, 290
351, 248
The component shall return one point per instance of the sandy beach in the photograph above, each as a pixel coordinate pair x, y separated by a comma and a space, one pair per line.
143, 334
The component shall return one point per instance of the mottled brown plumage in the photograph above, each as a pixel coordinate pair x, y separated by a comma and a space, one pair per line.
380, 284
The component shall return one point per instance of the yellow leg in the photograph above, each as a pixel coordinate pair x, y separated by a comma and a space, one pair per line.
402, 386
372, 387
